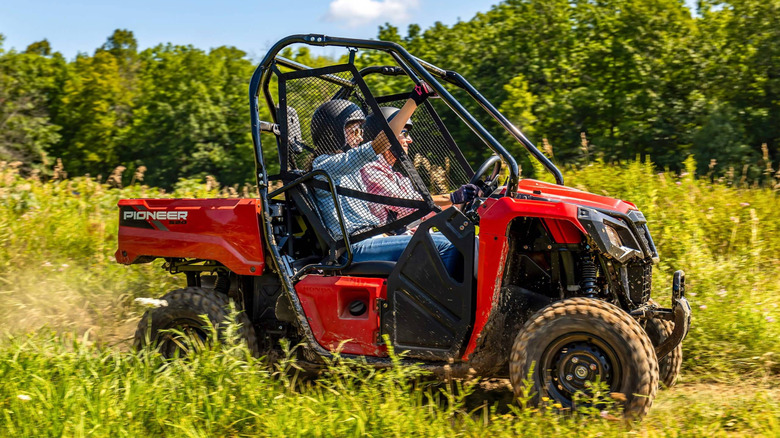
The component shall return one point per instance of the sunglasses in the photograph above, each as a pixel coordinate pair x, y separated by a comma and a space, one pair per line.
357, 130
405, 133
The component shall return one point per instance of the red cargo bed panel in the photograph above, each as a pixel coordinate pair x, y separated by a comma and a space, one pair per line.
224, 230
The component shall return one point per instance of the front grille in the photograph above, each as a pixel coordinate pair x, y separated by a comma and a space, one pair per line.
640, 281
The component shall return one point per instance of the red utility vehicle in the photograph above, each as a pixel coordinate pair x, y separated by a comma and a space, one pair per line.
550, 282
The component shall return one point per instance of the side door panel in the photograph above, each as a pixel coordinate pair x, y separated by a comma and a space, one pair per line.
430, 311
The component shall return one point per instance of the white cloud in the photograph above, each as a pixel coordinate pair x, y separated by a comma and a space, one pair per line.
356, 13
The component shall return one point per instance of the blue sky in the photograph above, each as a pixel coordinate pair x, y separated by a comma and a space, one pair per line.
83, 25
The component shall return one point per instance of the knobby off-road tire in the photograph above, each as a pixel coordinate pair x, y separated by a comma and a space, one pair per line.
578, 340
668, 367
184, 313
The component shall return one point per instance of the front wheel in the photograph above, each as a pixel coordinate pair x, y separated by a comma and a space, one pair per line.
572, 343
183, 313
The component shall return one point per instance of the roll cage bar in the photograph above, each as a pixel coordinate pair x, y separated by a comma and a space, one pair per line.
416, 69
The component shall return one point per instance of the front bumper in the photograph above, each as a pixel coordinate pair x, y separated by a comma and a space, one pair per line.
679, 313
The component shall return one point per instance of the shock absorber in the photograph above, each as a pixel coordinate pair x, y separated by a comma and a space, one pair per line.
588, 275
222, 285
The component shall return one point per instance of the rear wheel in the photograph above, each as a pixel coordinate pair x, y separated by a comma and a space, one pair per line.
183, 313
668, 367
575, 342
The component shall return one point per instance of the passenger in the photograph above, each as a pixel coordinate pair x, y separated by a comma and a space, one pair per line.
380, 178
337, 136
337, 132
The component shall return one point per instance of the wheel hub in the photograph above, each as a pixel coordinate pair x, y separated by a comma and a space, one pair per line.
574, 363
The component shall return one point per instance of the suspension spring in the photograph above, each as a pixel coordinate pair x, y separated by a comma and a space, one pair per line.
588, 278
222, 285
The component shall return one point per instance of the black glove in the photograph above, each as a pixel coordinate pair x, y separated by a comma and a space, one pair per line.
421, 92
465, 193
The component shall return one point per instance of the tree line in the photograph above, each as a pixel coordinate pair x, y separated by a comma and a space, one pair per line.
585, 79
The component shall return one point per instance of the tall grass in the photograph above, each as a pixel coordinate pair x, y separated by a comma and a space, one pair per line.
54, 386
76, 377
57, 240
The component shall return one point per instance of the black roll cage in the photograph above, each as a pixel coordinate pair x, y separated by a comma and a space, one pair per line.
413, 67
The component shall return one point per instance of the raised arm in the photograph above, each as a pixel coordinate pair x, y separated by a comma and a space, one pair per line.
421, 92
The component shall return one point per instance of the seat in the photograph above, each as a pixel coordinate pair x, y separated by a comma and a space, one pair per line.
301, 195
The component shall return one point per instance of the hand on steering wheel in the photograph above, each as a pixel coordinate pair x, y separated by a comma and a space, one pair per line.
466, 193
486, 186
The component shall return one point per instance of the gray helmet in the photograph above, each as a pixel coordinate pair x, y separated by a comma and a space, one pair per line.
328, 123
374, 125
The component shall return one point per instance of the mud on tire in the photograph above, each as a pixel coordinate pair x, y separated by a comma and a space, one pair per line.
184, 313
578, 340
668, 367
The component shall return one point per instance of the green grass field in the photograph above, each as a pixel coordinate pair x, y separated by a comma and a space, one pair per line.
67, 310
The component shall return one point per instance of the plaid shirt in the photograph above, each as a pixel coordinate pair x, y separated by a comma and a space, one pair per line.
343, 168
380, 179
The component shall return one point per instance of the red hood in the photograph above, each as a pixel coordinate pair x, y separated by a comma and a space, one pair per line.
573, 196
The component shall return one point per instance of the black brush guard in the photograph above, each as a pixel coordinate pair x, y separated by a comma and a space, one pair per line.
679, 313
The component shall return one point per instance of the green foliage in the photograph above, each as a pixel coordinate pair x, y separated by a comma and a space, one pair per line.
96, 108
609, 69
721, 138
29, 90
742, 50
42, 48
176, 110
517, 107
57, 240
636, 77
190, 119
61, 385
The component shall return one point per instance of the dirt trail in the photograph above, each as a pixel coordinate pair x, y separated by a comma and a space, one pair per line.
498, 391
720, 393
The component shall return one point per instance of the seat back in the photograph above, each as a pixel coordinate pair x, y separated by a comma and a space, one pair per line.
303, 198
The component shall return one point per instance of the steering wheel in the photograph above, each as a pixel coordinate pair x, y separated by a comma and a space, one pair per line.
486, 186
490, 184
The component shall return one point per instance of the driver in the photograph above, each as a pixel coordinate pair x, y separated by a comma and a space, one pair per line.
380, 178
337, 134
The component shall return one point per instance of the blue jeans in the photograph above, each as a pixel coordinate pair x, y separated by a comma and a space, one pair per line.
390, 249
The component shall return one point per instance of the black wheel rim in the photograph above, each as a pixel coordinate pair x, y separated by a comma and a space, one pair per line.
171, 342
573, 362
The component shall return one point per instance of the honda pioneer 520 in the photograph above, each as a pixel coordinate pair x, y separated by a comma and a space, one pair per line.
377, 227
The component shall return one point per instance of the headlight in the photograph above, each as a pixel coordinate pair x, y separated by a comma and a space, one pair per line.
614, 237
